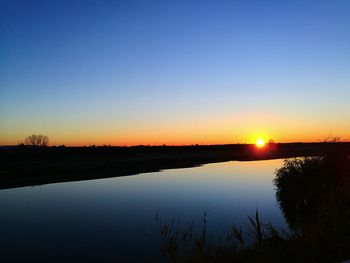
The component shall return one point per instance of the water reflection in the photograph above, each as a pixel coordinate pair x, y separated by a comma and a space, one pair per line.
109, 219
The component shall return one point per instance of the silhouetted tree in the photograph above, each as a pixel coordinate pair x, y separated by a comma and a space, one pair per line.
314, 196
37, 140
297, 189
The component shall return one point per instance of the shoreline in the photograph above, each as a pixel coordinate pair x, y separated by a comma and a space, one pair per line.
27, 166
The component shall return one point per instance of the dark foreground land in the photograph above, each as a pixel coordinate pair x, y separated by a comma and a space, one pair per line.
26, 166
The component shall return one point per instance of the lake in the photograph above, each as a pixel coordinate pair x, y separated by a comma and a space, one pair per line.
113, 220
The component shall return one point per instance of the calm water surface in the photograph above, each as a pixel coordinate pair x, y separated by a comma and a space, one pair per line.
113, 220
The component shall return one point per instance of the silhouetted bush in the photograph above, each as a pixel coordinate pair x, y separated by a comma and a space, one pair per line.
314, 196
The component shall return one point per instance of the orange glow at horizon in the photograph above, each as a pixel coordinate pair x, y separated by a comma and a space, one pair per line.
242, 129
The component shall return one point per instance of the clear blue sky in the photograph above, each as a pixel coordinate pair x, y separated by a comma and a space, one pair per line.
175, 72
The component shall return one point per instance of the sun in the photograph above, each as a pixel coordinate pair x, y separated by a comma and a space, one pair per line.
260, 143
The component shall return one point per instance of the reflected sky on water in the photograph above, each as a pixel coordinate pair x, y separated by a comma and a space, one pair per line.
114, 219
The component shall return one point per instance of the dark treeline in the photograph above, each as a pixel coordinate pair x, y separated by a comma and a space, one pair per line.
27, 165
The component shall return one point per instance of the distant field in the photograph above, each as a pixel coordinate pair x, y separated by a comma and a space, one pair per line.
25, 166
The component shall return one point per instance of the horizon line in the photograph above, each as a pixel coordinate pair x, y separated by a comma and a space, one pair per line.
175, 145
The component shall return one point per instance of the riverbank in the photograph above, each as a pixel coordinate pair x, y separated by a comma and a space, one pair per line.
27, 166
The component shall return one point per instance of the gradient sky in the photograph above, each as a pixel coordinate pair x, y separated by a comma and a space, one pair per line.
174, 72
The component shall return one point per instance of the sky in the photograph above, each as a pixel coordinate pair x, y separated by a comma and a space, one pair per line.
174, 72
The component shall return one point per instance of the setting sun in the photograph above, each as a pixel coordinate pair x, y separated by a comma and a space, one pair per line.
260, 143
